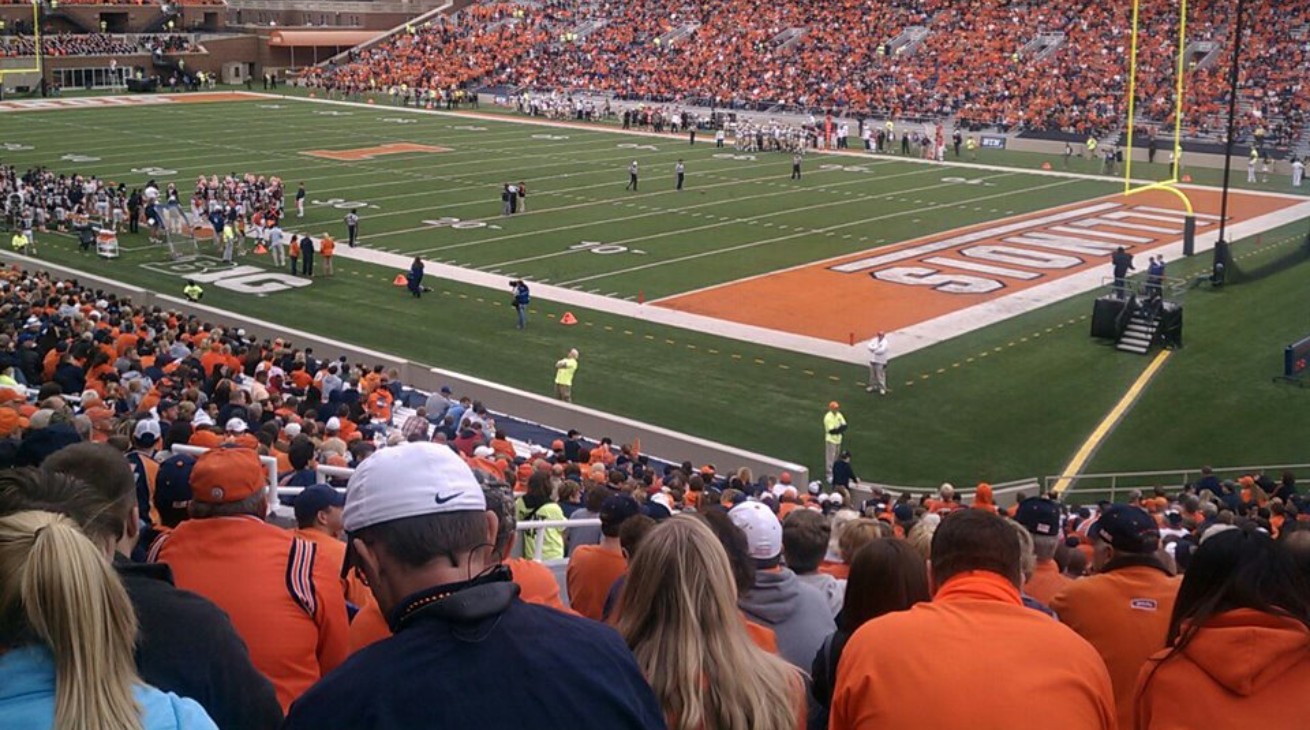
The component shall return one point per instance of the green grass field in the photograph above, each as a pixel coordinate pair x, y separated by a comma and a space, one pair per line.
1010, 401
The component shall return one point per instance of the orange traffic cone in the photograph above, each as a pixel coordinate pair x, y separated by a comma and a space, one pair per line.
400, 280
1187, 178
260, 250
1046, 165
568, 319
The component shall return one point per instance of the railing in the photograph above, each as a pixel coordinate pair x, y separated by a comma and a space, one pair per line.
1115, 483
1029, 487
416, 22
539, 531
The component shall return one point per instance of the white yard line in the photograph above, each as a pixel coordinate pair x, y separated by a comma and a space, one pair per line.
777, 239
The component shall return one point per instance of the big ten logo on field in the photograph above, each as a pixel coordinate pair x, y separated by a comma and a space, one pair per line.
240, 279
635, 146
343, 204
980, 182
843, 168
1027, 250
551, 137
730, 156
468, 128
398, 120
154, 171
15, 147
73, 157
357, 154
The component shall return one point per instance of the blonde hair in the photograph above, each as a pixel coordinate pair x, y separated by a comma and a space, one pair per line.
57, 585
682, 623
1027, 552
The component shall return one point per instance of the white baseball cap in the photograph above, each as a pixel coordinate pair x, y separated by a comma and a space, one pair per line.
334, 424
410, 480
292, 430
762, 528
236, 425
144, 429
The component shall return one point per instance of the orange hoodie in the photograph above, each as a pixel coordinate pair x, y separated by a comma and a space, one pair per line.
1238, 671
984, 500
925, 667
1124, 613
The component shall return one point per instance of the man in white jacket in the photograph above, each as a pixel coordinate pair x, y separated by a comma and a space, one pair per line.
878, 357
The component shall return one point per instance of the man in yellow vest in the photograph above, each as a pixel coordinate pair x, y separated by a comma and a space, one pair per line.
1091, 148
19, 242
834, 427
972, 145
564, 372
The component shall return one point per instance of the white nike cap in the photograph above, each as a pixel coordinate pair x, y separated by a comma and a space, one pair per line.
410, 480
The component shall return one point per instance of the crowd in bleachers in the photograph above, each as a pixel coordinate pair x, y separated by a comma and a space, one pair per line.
970, 65
96, 44
702, 599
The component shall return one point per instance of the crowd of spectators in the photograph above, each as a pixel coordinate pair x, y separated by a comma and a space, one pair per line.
971, 64
735, 600
96, 44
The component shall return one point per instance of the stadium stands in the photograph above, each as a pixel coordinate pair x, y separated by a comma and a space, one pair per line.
96, 44
967, 60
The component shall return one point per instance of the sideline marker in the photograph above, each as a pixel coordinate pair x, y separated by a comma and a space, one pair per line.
568, 319
400, 280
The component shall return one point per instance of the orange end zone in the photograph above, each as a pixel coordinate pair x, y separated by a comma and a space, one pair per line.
894, 287
368, 153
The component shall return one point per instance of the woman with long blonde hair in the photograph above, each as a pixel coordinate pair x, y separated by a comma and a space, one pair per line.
681, 622
66, 637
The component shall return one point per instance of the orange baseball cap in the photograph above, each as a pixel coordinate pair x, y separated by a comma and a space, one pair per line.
227, 475
9, 395
832, 405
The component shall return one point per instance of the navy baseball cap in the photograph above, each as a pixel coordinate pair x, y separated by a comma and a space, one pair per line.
1127, 528
1040, 516
173, 483
315, 499
615, 509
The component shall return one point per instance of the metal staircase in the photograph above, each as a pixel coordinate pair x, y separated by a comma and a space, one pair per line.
1139, 336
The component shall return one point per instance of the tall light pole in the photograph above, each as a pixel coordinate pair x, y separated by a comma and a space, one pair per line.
1221, 246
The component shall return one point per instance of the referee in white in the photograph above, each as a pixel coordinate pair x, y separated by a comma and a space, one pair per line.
878, 357
681, 171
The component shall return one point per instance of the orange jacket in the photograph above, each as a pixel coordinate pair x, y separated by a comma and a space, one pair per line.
1238, 671
283, 597
928, 667
379, 404
1047, 582
591, 573
334, 552
1124, 613
536, 585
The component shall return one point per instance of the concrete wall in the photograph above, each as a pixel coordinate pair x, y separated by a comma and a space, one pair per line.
656, 441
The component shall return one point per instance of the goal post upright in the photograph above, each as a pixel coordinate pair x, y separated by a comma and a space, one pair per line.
1169, 185
36, 50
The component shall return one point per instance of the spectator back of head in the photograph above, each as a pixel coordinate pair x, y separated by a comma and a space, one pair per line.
974, 540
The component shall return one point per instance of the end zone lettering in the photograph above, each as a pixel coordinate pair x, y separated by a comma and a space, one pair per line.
982, 261
240, 279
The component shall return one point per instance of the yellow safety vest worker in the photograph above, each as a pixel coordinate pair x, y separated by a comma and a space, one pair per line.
19, 242
564, 371
1091, 144
832, 420
193, 291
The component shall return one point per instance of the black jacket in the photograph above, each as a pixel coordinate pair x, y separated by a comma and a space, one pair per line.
482, 658
188, 646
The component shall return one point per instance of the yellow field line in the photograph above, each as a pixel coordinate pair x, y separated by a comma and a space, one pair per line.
1111, 419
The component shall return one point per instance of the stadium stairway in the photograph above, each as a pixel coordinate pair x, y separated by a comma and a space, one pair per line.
1139, 335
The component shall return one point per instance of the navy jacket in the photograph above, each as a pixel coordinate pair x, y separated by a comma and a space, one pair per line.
482, 658
188, 646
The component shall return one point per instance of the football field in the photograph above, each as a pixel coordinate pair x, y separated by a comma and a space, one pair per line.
726, 309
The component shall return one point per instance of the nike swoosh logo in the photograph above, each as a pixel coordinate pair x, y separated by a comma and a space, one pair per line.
442, 500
